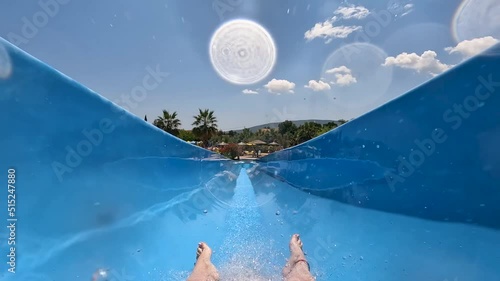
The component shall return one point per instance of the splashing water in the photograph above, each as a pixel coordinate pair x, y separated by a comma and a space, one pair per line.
244, 254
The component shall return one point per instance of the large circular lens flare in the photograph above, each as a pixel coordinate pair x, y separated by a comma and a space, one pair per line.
476, 19
242, 52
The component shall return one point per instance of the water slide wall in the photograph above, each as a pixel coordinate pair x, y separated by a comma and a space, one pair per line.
96, 187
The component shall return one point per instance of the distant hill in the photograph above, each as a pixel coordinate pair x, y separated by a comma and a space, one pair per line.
275, 125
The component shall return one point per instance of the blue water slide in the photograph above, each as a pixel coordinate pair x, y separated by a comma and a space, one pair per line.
409, 191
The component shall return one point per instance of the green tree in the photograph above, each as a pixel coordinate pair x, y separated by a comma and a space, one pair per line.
186, 135
326, 128
168, 122
246, 135
287, 131
307, 131
205, 125
287, 127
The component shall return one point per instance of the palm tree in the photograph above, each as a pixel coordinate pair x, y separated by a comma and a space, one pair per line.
205, 125
168, 122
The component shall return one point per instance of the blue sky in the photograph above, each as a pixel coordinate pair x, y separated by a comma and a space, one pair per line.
334, 59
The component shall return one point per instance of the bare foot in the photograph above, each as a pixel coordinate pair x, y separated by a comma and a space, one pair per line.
204, 270
297, 268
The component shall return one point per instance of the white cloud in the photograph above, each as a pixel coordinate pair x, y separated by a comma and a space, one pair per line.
342, 76
280, 86
352, 12
317, 85
344, 79
327, 31
469, 48
249, 92
341, 69
408, 8
426, 63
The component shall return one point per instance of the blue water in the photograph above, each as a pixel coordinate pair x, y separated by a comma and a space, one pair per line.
101, 191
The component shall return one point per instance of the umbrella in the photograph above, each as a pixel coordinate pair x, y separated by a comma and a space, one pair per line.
242, 144
222, 143
274, 143
258, 142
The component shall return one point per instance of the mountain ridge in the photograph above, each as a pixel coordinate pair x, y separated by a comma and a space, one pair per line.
274, 125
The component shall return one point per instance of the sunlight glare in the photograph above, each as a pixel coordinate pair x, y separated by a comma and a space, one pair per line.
242, 52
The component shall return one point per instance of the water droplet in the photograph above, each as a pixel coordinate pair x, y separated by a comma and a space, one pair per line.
482, 205
361, 258
378, 146
363, 146
277, 213
100, 275
205, 211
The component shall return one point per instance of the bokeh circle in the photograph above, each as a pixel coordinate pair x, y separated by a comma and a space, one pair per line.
476, 19
364, 62
242, 52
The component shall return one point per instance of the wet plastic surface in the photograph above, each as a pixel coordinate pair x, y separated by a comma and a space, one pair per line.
101, 192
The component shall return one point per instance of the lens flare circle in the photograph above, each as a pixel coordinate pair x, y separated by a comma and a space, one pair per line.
242, 52
476, 19
364, 62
